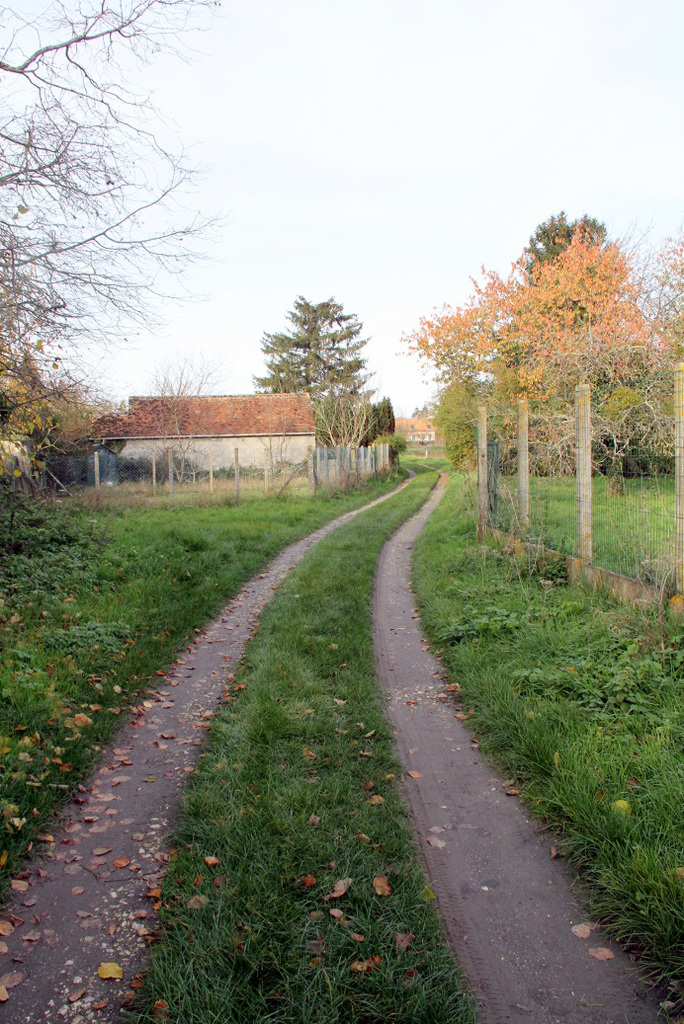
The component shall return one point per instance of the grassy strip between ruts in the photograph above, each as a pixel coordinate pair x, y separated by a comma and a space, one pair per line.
581, 700
92, 604
295, 894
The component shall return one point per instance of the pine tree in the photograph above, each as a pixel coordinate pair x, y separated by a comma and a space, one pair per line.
320, 354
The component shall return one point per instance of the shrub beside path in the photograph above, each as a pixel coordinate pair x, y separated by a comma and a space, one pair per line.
88, 902
509, 909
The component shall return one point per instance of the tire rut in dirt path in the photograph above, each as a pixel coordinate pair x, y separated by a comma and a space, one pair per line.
507, 907
89, 899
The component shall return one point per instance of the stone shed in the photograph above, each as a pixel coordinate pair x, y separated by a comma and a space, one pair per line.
268, 430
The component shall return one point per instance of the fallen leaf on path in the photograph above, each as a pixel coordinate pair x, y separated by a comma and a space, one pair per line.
554, 853
403, 940
437, 843
513, 792
582, 931
100, 851
6, 928
4, 948
601, 953
11, 979
76, 995
18, 885
339, 889
382, 886
414, 774
121, 862
453, 688
4, 994
101, 1004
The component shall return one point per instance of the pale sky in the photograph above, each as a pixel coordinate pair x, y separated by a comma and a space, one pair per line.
381, 151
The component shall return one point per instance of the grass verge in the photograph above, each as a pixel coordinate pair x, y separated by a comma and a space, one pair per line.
581, 700
294, 894
91, 605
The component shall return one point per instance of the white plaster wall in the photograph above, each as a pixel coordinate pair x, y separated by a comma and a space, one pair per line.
253, 451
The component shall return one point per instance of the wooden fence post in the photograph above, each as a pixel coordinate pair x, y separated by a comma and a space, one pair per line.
679, 477
170, 476
96, 468
236, 468
524, 464
482, 485
583, 448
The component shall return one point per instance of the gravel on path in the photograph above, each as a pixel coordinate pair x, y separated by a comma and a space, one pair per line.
89, 899
508, 907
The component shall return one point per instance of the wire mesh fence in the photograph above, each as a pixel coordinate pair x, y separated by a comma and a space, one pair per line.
174, 475
619, 512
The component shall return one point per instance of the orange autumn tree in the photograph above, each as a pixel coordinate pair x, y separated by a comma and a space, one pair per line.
540, 332
551, 324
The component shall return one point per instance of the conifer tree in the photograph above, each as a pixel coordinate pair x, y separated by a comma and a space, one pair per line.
321, 354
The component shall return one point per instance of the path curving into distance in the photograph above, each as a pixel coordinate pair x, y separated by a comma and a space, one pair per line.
507, 907
89, 898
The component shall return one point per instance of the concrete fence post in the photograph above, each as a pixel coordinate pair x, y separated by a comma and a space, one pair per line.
679, 477
482, 484
583, 448
523, 464
236, 470
96, 468
211, 471
311, 471
170, 455
154, 474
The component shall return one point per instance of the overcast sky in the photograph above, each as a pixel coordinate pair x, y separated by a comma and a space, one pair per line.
381, 151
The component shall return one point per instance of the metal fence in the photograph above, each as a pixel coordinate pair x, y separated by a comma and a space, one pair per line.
579, 485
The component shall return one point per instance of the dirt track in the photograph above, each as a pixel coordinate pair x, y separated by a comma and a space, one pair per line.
508, 908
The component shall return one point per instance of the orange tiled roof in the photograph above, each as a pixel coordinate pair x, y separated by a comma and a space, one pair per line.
209, 416
411, 423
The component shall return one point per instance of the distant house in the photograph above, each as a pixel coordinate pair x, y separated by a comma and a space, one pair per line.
418, 430
264, 428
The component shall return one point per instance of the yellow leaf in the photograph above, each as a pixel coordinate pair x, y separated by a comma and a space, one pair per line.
110, 971
17, 473
3, 858
381, 885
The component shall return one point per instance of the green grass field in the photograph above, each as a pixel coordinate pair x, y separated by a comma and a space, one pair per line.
634, 523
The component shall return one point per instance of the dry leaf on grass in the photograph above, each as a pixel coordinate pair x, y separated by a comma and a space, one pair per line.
364, 966
601, 953
403, 940
376, 799
211, 862
314, 820
381, 885
196, 902
339, 889
307, 881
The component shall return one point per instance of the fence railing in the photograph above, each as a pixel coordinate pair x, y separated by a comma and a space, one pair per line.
580, 486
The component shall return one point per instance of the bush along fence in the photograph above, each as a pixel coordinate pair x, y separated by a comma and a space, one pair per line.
607, 490
175, 473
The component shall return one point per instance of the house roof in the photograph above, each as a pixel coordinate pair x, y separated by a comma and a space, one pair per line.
209, 416
413, 423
